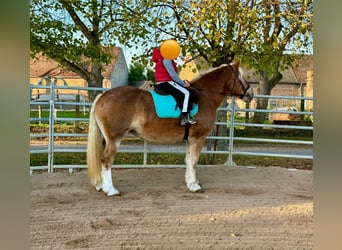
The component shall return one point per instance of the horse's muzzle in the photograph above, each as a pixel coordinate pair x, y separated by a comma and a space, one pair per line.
248, 96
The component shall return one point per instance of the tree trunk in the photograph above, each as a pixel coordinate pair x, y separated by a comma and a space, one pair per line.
262, 103
222, 129
95, 79
265, 87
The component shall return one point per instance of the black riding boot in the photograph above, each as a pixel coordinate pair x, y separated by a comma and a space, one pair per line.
186, 118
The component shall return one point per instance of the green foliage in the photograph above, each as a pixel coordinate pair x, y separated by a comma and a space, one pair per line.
69, 32
136, 72
76, 34
260, 32
266, 35
139, 71
150, 75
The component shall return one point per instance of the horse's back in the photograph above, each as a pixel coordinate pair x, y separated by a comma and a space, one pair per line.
124, 92
118, 107
124, 98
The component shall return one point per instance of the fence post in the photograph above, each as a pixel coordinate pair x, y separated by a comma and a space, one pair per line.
247, 112
145, 153
231, 132
51, 127
30, 92
40, 114
77, 110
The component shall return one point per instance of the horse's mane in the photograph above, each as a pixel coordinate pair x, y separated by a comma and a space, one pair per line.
209, 72
215, 70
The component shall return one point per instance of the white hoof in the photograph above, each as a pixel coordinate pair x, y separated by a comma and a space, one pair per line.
105, 189
98, 187
112, 191
195, 187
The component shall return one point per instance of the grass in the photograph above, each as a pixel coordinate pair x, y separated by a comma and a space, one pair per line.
59, 114
174, 159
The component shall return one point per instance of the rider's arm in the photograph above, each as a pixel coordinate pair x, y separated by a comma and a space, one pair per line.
173, 74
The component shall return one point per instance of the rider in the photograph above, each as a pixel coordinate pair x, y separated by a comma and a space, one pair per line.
168, 80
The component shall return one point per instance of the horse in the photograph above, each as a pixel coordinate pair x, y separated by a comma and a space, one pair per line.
128, 109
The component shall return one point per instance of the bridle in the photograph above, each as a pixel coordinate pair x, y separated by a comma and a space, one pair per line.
236, 74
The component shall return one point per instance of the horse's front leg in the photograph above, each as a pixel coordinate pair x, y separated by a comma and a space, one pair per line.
191, 160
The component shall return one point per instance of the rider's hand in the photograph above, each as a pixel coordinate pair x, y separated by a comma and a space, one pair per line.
187, 83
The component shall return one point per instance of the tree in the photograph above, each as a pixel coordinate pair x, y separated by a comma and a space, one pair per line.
266, 34
285, 29
136, 72
193, 23
76, 33
150, 75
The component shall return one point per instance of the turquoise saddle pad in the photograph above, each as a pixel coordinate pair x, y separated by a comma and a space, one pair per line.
165, 106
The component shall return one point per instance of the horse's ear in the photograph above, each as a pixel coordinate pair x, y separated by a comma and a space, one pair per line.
236, 64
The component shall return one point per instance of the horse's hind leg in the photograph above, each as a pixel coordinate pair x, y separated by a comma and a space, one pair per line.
107, 161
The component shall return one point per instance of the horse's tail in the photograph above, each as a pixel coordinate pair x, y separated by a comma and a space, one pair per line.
95, 147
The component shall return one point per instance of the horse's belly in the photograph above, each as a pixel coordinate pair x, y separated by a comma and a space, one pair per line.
163, 138
154, 129
160, 134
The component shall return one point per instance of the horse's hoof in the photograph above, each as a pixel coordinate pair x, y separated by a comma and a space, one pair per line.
105, 189
196, 188
112, 192
98, 188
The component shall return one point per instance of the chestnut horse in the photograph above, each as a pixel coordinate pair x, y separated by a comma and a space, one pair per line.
127, 109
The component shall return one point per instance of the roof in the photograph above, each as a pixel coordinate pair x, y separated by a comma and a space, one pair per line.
43, 66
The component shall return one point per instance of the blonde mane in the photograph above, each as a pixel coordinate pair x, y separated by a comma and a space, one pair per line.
208, 71
213, 70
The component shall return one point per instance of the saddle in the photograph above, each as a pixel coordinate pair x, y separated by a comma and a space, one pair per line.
166, 106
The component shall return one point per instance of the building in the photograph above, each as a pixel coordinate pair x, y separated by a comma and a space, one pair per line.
43, 70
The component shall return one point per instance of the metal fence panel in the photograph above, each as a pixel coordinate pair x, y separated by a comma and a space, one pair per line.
146, 149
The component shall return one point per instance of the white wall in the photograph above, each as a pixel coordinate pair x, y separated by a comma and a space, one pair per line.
119, 76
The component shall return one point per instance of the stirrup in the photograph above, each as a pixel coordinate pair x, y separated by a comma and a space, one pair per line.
187, 119
191, 120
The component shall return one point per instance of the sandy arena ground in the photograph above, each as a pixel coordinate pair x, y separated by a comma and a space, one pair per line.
240, 208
